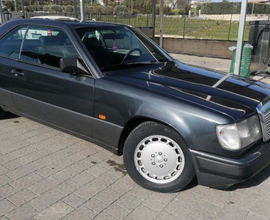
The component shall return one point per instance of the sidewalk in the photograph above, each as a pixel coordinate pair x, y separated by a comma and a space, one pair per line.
214, 63
208, 62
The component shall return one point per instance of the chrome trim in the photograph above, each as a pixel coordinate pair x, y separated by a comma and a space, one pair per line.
264, 115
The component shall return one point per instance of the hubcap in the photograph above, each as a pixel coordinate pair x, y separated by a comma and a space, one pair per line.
159, 159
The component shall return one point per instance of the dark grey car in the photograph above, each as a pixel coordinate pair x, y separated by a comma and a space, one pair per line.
111, 85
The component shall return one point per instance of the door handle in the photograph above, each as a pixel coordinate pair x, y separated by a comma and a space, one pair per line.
17, 72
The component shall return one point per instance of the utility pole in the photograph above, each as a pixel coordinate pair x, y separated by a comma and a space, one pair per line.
1, 14
154, 19
22, 7
161, 25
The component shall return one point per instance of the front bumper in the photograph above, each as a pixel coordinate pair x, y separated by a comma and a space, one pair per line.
221, 172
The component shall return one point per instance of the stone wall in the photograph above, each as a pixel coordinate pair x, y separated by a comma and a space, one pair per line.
198, 47
234, 17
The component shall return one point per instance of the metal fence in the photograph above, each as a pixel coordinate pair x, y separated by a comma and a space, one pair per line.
212, 27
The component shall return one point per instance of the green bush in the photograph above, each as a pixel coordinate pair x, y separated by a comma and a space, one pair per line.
107, 10
120, 9
135, 12
9, 5
185, 9
56, 8
142, 6
97, 9
175, 11
233, 8
166, 10
46, 8
69, 9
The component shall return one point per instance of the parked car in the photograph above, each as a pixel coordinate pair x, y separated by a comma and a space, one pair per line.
110, 84
55, 17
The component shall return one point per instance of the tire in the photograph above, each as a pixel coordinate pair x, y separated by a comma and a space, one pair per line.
157, 158
2, 112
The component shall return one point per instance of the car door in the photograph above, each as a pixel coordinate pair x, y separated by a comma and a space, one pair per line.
10, 46
41, 91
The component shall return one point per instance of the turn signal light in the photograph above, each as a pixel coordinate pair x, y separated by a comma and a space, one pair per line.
103, 117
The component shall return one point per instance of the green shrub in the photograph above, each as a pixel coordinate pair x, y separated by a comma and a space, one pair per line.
233, 8
56, 8
120, 9
108, 10
97, 9
175, 11
135, 12
69, 9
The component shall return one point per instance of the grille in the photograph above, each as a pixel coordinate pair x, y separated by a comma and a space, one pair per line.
267, 121
264, 113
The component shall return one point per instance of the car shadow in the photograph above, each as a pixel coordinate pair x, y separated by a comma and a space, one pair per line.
254, 181
191, 185
9, 115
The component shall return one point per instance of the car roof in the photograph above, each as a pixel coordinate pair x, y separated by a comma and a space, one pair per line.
61, 23
67, 25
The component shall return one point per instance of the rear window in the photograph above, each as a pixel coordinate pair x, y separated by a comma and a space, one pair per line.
11, 43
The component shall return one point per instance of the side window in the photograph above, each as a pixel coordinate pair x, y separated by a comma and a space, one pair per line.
10, 44
45, 46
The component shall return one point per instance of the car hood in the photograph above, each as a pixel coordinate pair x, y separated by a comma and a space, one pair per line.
222, 91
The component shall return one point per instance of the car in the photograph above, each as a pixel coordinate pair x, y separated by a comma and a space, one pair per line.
59, 18
110, 84
55, 17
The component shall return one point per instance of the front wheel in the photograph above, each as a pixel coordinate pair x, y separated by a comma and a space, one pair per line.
157, 158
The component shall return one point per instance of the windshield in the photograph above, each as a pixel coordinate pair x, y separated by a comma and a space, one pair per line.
114, 46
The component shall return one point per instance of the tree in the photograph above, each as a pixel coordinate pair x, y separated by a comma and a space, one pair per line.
177, 3
172, 3
10, 5
143, 6
111, 2
185, 9
107, 10
120, 9
69, 9
56, 8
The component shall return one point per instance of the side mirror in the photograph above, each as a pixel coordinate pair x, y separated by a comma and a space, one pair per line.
73, 66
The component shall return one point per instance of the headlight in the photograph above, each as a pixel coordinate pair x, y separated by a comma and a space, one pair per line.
239, 135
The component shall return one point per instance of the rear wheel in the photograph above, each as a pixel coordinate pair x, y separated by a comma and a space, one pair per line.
157, 158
